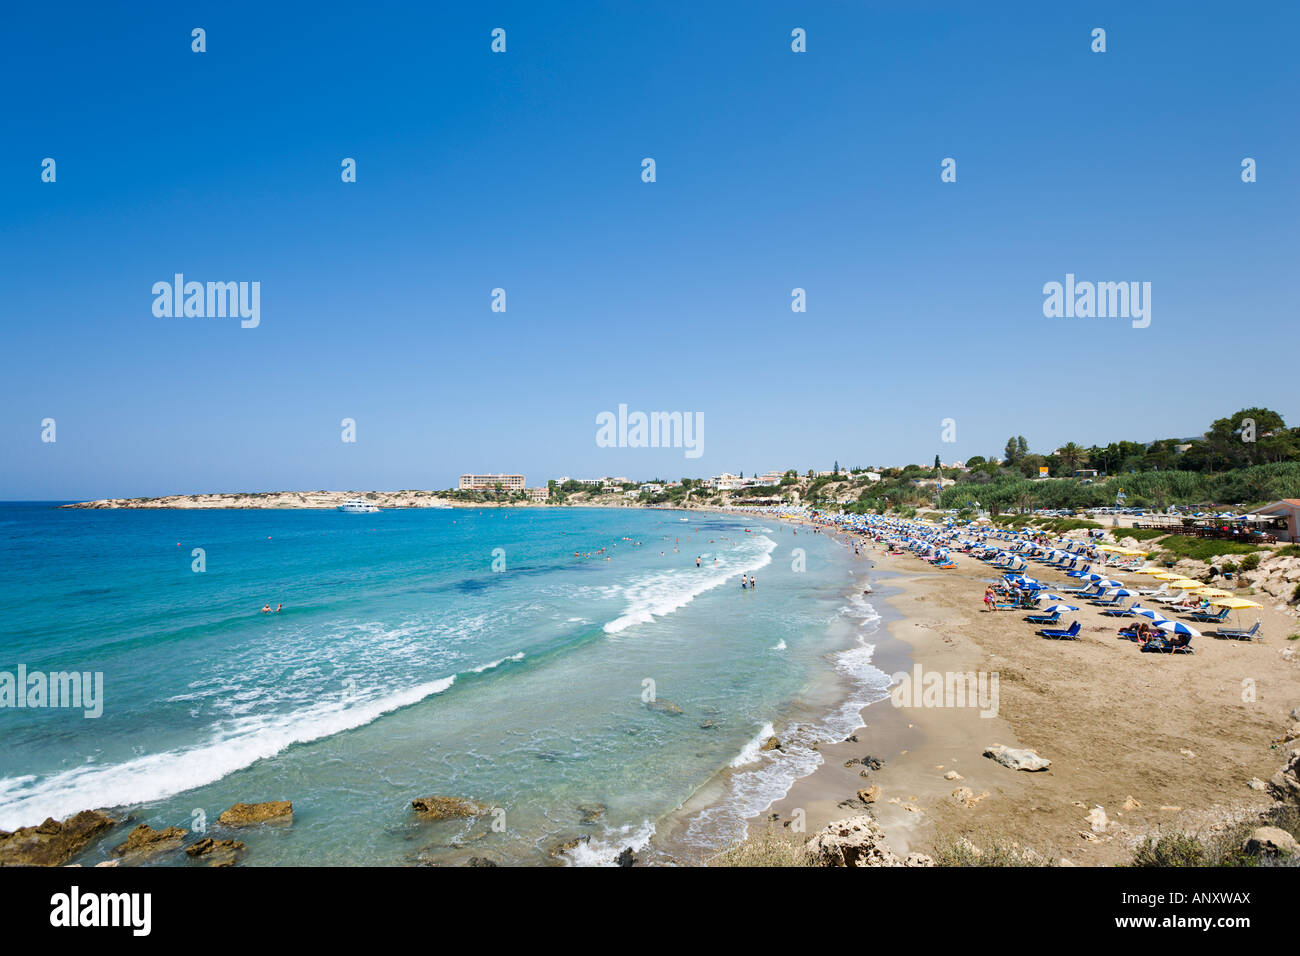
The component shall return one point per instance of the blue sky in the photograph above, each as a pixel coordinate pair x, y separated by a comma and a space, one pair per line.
522, 170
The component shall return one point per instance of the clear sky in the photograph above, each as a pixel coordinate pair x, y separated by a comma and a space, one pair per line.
522, 170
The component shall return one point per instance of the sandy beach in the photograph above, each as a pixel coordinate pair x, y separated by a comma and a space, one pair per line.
1155, 740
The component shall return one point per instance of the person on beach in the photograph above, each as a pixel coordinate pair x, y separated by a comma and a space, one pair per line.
744, 585
697, 560
752, 583
988, 599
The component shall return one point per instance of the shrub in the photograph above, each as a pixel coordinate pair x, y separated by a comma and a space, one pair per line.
1170, 849
771, 847
1250, 562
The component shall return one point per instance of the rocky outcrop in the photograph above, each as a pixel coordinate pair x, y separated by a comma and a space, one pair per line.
626, 858
443, 808
1017, 759
252, 814
855, 841
145, 841
216, 852
870, 794
591, 813
663, 706
1271, 841
54, 842
1285, 784
771, 743
1276, 576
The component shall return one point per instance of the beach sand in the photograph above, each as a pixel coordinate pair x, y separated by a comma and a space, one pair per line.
1179, 734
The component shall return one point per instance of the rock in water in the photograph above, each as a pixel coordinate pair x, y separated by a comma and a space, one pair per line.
216, 852
627, 857
251, 814
1017, 759
869, 795
559, 849
145, 841
443, 808
53, 842
856, 841
771, 743
663, 706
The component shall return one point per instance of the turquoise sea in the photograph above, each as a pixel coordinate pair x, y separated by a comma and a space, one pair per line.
404, 665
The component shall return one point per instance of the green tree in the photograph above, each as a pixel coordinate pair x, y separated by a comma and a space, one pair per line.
1071, 456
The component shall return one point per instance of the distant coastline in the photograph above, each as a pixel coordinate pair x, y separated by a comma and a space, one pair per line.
332, 499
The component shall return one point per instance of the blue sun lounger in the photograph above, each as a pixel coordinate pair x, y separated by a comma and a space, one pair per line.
1238, 634
1056, 634
1044, 618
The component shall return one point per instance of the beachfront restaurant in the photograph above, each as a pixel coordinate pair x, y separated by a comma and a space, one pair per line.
1280, 519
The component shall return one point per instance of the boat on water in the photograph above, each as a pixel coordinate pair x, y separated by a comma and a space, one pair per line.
357, 506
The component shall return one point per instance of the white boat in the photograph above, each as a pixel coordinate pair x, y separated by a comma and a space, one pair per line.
357, 506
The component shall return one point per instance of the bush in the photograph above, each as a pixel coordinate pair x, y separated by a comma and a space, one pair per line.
771, 847
962, 852
1172, 849
1250, 562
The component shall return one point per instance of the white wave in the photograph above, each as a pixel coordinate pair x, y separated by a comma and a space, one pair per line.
158, 776
757, 784
665, 592
605, 851
752, 752
780, 645
487, 667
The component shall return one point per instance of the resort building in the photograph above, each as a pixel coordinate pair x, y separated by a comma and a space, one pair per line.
492, 482
537, 494
1282, 519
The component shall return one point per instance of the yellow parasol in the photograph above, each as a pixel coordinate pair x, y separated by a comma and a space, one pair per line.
1235, 603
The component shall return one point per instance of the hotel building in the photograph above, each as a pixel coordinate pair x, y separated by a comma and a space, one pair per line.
492, 482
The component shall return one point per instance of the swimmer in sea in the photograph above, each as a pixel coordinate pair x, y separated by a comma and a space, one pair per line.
278, 608
266, 609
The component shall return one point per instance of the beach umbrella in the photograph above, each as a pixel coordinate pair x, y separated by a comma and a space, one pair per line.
1185, 584
1107, 583
1123, 592
1235, 603
1152, 614
1214, 592
1178, 627
1060, 608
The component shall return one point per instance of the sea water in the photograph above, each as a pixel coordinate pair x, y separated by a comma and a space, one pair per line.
571, 670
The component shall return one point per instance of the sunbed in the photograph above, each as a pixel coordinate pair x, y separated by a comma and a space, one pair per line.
1044, 618
1122, 611
1162, 645
1056, 634
1238, 634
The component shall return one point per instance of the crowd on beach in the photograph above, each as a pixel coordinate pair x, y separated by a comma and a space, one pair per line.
1089, 561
